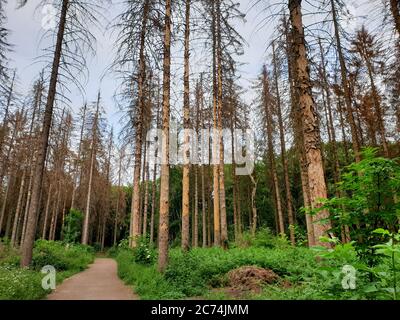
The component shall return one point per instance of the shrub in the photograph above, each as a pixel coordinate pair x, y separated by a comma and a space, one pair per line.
62, 256
144, 253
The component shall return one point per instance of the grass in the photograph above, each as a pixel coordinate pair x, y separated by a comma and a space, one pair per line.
312, 274
25, 284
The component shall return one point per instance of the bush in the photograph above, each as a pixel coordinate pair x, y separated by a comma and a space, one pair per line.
26, 284
144, 253
61, 256
148, 282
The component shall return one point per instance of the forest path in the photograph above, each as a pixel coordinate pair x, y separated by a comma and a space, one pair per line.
99, 282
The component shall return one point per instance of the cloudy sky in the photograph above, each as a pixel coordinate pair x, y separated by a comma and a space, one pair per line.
25, 25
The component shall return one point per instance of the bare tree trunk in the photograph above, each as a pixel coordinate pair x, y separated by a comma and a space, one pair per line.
135, 210
86, 222
46, 216
3, 131
253, 206
27, 246
298, 132
4, 205
268, 112
394, 8
345, 85
315, 170
378, 109
154, 183
186, 138
224, 226
285, 165
78, 159
116, 221
146, 199
164, 194
18, 210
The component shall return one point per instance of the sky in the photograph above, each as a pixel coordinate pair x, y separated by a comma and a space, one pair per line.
26, 27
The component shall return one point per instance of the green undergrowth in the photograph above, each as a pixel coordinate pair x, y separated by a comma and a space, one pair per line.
311, 274
26, 284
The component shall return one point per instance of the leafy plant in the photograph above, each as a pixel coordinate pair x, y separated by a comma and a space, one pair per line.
144, 253
388, 269
369, 190
72, 226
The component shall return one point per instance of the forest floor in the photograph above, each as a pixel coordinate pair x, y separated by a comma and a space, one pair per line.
99, 282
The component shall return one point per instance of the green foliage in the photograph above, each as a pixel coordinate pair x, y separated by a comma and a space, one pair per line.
20, 284
387, 270
72, 226
26, 284
148, 282
262, 239
61, 256
368, 201
144, 253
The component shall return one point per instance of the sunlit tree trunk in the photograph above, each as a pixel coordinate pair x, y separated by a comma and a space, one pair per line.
315, 169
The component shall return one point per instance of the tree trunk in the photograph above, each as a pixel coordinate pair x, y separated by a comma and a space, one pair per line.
345, 85
135, 209
18, 211
78, 159
146, 199
164, 194
285, 165
186, 138
46, 215
268, 113
394, 8
27, 246
4, 204
224, 226
86, 222
315, 170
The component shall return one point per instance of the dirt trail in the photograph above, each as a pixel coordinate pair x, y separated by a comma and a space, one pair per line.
99, 282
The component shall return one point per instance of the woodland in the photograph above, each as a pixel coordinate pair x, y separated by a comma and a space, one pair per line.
316, 214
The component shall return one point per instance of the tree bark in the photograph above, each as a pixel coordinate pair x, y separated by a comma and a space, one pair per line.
224, 226
135, 209
186, 138
345, 85
394, 8
27, 246
315, 169
285, 165
268, 113
164, 195
86, 222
